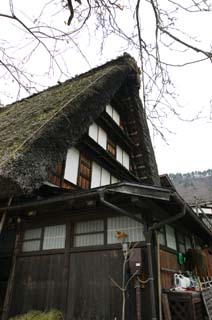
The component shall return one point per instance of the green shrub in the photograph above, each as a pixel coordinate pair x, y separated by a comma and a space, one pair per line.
39, 315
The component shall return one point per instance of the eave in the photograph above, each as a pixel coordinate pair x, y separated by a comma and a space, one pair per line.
163, 200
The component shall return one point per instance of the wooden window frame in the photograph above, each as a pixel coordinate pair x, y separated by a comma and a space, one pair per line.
41, 239
103, 232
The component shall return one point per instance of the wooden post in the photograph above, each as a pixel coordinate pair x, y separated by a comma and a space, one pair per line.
10, 285
166, 309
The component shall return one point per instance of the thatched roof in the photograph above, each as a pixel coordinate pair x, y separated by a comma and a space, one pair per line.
36, 132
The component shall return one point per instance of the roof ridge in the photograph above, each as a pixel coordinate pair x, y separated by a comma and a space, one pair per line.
124, 57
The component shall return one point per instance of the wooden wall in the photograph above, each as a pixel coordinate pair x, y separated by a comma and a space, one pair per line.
168, 266
78, 283
6, 250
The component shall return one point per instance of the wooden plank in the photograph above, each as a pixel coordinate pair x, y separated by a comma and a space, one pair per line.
166, 309
39, 284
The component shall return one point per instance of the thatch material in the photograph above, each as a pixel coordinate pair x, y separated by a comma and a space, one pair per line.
36, 132
39, 315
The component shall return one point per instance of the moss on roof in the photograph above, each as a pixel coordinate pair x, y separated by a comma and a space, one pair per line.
36, 132
22, 119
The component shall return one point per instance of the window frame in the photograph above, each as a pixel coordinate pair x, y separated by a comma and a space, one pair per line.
41, 239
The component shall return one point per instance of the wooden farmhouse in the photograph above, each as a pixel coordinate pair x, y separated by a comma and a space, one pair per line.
80, 192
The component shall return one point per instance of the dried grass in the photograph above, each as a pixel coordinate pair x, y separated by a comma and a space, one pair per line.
39, 315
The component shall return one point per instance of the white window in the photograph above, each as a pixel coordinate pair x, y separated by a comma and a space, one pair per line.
119, 153
122, 157
126, 160
98, 135
113, 114
100, 176
114, 179
93, 131
89, 233
170, 237
162, 237
96, 175
72, 165
54, 237
109, 110
122, 224
105, 177
32, 240
102, 138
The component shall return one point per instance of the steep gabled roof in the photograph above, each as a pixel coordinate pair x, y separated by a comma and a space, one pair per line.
36, 132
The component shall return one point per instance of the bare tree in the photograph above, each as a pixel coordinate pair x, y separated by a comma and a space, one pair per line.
54, 28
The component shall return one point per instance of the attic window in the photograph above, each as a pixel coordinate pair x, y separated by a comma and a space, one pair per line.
98, 135
122, 157
100, 176
113, 114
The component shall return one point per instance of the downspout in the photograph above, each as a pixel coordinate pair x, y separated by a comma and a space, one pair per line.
148, 238
124, 212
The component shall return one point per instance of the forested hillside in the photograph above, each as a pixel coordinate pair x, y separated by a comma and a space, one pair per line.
196, 184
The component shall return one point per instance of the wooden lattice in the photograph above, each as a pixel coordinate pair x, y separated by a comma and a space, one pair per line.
178, 310
186, 305
207, 298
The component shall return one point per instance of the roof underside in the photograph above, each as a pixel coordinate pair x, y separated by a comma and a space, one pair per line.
36, 132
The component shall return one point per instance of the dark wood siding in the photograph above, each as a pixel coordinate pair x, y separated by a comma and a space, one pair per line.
92, 295
39, 284
7, 240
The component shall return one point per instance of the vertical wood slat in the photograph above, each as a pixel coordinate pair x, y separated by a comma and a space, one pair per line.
169, 265
166, 309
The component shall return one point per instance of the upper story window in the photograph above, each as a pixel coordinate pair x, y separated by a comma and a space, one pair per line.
101, 137
98, 135
45, 238
113, 114
100, 176
122, 157
81, 171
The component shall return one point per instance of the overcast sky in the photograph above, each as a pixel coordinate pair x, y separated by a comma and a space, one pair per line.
188, 148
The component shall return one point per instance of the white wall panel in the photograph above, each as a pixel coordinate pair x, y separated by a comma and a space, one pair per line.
96, 175
54, 237
105, 177
118, 154
102, 138
170, 237
114, 179
93, 131
132, 228
71, 166
116, 117
126, 160
109, 110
